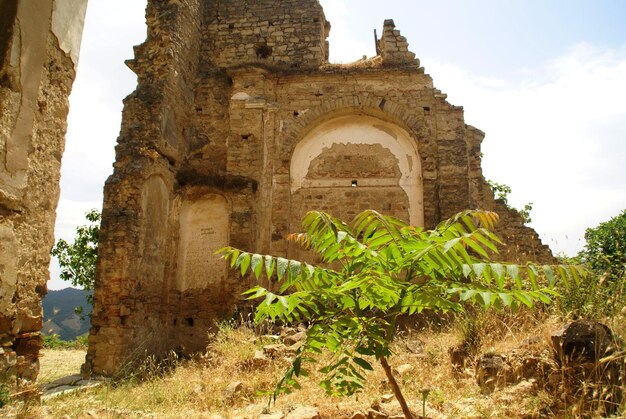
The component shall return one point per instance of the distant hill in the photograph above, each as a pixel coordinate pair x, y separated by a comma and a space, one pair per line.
59, 316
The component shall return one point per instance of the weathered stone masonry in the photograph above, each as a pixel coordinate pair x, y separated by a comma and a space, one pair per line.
238, 126
39, 45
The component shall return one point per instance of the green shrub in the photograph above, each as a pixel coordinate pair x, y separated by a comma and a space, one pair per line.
595, 298
82, 341
603, 293
605, 251
5, 396
53, 341
502, 192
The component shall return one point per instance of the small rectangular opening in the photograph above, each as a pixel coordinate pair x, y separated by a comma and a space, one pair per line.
355, 183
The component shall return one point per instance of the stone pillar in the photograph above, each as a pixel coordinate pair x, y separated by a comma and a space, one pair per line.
39, 46
394, 48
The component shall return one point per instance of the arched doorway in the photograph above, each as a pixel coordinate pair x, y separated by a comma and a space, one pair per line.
352, 163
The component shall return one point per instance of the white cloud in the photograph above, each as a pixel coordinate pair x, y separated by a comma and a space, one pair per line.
556, 137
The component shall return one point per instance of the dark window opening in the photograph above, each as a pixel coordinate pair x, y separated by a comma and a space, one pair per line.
246, 136
355, 183
263, 51
189, 321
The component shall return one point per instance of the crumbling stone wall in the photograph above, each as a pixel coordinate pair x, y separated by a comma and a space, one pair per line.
238, 126
39, 45
282, 33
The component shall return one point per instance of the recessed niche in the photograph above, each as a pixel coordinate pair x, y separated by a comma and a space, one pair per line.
204, 227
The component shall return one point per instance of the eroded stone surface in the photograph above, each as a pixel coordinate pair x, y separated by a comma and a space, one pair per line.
238, 126
39, 45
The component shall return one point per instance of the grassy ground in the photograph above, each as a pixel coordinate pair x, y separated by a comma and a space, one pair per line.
57, 363
196, 389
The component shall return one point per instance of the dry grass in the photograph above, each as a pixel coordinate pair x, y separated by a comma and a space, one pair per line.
57, 363
195, 389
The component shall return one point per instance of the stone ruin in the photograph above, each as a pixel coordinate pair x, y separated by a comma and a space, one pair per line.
238, 126
39, 45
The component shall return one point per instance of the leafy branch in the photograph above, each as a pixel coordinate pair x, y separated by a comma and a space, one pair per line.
78, 260
377, 269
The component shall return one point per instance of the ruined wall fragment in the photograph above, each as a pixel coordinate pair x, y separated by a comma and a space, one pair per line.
135, 280
238, 126
39, 45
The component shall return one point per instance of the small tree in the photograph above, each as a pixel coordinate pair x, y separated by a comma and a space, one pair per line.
78, 260
604, 293
377, 270
605, 251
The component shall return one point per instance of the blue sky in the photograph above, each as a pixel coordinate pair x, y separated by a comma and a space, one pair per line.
545, 80
500, 37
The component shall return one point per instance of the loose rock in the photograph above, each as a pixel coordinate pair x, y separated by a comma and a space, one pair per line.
404, 369
375, 414
232, 389
304, 412
492, 370
294, 339
583, 341
387, 398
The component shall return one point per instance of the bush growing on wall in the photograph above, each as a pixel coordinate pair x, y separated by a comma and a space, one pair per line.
502, 191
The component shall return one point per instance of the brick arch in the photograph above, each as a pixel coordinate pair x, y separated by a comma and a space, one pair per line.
378, 107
